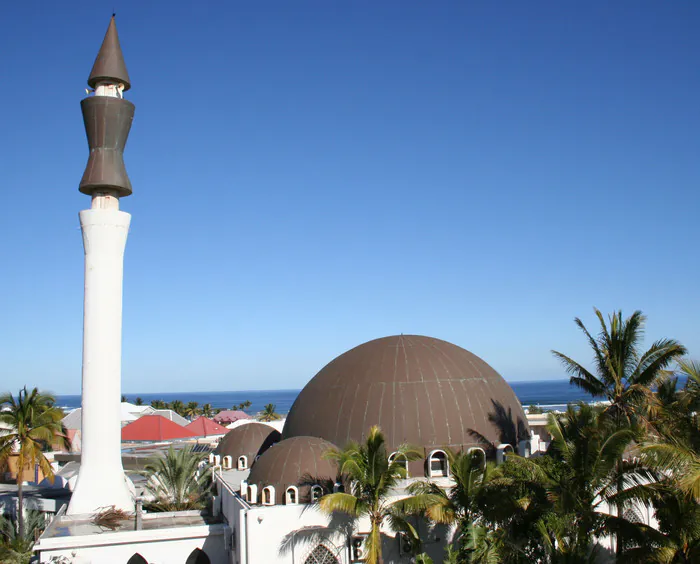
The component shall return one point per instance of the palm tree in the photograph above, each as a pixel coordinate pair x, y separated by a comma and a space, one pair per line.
35, 425
192, 409
138, 401
207, 410
460, 505
371, 477
177, 406
158, 404
677, 450
269, 414
14, 547
622, 373
176, 482
583, 473
124, 398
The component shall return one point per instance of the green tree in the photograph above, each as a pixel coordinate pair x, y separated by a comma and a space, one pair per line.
176, 482
124, 398
268, 413
178, 407
16, 548
192, 409
207, 410
158, 404
371, 478
138, 401
677, 450
622, 372
242, 406
460, 504
35, 424
581, 473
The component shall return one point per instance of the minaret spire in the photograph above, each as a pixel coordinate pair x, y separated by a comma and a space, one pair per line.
109, 65
107, 116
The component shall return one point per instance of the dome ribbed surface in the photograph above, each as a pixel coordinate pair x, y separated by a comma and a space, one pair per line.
419, 390
249, 440
290, 463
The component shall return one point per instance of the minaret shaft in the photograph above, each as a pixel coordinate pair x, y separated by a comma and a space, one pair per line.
101, 481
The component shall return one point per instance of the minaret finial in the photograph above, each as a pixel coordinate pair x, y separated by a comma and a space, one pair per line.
109, 65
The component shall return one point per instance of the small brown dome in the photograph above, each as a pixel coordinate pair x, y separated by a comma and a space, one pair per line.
249, 440
295, 462
419, 390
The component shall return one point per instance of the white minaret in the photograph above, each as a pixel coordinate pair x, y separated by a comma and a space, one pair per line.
107, 116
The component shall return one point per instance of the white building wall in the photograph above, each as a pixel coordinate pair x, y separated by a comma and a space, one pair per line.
161, 546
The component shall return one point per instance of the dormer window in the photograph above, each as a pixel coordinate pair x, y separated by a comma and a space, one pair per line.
268, 495
437, 464
400, 460
316, 493
292, 495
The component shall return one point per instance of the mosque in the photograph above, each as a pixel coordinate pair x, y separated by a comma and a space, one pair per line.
420, 390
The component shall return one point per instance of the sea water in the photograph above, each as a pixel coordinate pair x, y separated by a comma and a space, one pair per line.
548, 394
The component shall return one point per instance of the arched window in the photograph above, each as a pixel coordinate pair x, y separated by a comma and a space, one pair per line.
401, 460
197, 556
268, 495
316, 493
211, 458
253, 494
501, 452
321, 555
228, 462
137, 559
437, 464
478, 452
242, 462
291, 496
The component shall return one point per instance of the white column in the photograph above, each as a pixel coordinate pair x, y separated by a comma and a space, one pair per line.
101, 480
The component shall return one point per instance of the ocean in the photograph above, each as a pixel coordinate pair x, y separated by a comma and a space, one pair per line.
548, 394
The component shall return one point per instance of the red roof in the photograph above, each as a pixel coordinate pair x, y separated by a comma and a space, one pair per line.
203, 427
154, 428
229, 416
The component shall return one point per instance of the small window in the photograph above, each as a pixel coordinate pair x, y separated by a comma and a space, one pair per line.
478, 452
291, 496
316, 493
402, 460
242, 462
502, 451
268, 495
253, 494
228, 462
437, 464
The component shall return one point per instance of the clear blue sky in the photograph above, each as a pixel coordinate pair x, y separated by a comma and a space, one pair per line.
311, 175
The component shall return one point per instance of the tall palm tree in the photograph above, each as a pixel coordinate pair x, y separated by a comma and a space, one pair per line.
371, 478
176, 481
158, 404
35, 425
138, 401
622, 373
269, 414
207, 410
460, 504
192, 409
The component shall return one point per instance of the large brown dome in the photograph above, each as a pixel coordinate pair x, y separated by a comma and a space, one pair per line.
419, 390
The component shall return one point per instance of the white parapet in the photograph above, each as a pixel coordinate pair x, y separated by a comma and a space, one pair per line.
101, 479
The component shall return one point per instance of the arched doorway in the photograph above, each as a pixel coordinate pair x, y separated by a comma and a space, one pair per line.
197, 556
137, 559
321, 555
